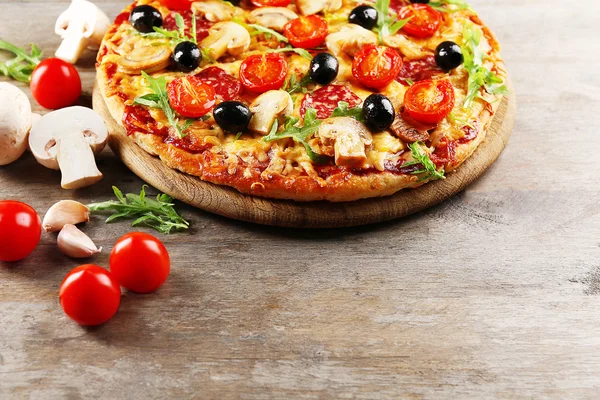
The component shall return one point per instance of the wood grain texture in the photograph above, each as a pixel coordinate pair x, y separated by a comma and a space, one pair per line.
492, 294
230, 203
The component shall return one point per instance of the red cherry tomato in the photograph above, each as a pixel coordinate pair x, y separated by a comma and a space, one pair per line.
376, 66
20, 230
429, 101
177, 5
140, 262
191, 97
306, 32
424, 22
55, 84
263, 72
271, 3
90, 295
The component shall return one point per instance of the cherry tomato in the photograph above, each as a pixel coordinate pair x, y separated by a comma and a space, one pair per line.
424, 22
191, 97
20, 230
55, 84
376, 66
271, 3
140, 262
306, 32
263, 72
429, 101
90, 295
177, 5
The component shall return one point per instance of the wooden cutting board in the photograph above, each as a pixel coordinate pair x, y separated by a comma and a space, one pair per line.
230, 203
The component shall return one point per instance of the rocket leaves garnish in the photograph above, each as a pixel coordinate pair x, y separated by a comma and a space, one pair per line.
429, 170
159, 99
22, 65
157, 214
441, 5
177, 36
479, 75
387, 22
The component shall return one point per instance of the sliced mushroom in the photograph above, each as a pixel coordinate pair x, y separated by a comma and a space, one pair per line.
82, 25
214, 10
269, 106
408, 48
145, 58
350, 39
67, 139
226, 37
273, 17
350, 140
309, 7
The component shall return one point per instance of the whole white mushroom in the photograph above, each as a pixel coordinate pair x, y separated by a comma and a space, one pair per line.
15, 123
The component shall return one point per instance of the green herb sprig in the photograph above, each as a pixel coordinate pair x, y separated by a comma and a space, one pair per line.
479, 75
157, 214
262, 30
387, 23
310, 126
461, 5
301, 52
177, 36
159, 99
429, 170
293, 85
22, 65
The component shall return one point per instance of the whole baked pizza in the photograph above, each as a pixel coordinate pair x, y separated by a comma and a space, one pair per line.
308, 100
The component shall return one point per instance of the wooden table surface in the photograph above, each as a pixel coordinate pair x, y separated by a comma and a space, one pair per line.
494, 294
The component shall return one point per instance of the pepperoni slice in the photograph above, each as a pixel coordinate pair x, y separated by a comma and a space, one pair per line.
444, 153
326, 99
226, 86
202, 25
418, 70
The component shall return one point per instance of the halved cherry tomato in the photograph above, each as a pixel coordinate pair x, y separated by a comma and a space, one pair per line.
177, 5
271, 3
190, 97
140, 262
20, 230
306, 32
55, 84
90, 295
263, 72
429, 101
376, 66
424, 22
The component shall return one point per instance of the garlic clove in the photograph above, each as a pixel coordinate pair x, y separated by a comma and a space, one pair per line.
63, 213
76, 244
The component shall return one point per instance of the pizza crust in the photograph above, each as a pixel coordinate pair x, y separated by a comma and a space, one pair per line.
339, 185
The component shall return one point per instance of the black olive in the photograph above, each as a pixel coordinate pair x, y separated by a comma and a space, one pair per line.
324, 68
379, 112
448, 55
232, 116
420, 1
187, 56
365, 16
145, 18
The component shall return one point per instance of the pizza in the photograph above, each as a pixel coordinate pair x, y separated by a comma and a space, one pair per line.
335, 100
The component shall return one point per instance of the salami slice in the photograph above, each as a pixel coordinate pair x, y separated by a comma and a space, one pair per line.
418, 70
202, 25
226, 86
326, 99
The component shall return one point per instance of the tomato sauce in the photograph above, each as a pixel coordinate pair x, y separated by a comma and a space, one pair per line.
138, 119
471, 132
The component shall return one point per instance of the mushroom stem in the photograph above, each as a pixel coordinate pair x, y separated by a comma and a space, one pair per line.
74, 43
77, 163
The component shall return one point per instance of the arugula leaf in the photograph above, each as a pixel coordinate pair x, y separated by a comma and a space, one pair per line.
175, 37
260, 30
343, 110
479, 75
157, 214
440, 6
387, 23
293, 85
21, 67
300, 134
429, 169
301, 52
160, 99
